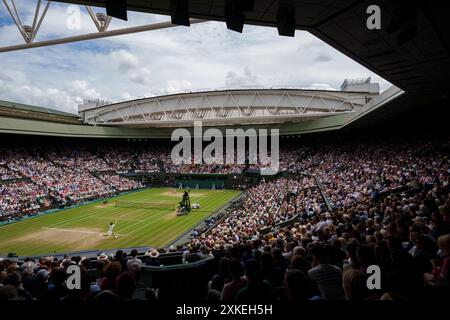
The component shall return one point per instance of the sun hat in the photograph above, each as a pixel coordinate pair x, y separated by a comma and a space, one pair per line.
297, 236
102, 257
281, 236
61, 265
153, 253
82, 260
418, 219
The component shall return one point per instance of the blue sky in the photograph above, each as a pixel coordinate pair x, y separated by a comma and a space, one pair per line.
205, 55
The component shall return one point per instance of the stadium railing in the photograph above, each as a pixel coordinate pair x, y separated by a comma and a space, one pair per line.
324, 196
180, 282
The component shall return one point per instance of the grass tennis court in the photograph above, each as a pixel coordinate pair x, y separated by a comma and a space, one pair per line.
85, 227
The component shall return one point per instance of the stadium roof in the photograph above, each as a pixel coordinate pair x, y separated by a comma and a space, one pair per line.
23, 111
230, 107
337, 121
411, 50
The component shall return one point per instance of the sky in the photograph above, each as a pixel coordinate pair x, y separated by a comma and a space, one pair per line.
203, 56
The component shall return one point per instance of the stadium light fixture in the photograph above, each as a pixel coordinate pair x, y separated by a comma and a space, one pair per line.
117, 9
234, 17
179, 12
234, 13
286, 19
101, 20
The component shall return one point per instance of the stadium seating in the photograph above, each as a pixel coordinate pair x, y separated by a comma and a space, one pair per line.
336, 210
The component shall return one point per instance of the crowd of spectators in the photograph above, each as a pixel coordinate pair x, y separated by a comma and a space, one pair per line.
121, 183
20, 197
267, 204
42, 179
5, 173
388, 205
115, 278
311, 236
215, 168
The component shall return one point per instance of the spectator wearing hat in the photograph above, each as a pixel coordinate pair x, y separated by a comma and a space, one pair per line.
103, 257
152, 258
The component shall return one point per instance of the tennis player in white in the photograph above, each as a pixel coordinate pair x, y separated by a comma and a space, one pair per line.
111, 229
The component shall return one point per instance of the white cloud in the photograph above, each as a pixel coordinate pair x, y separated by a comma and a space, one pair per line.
126, 96
38, 96
124, 60
323, 57
246, 79
130, 66
65, 99
80, 88
320, 86
141, 76
176, 85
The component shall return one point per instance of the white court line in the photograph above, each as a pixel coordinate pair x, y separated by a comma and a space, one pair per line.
120, 219
79, 231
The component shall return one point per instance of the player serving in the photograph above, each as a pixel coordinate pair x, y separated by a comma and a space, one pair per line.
111, 229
